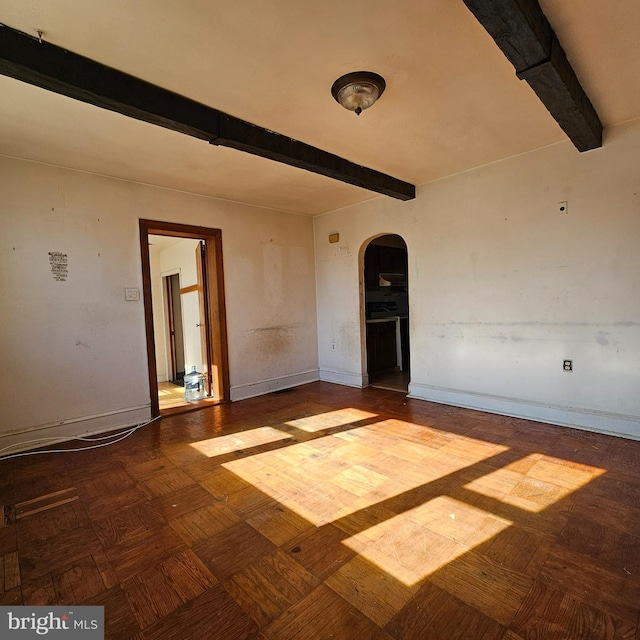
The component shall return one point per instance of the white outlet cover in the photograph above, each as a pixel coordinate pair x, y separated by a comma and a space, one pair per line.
132, 295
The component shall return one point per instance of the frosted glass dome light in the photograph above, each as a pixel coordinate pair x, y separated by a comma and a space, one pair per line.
357, 91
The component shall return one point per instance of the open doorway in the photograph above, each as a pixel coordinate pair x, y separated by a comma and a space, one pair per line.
184, 313
386, 312
177, 317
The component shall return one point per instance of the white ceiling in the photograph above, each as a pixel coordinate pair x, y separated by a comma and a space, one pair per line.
452, 101
160, 243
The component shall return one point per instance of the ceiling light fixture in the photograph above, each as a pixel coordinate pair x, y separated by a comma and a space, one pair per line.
357, 91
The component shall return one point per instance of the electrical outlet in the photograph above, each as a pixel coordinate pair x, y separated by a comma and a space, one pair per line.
563, 208
132, 295
567, 365
333, 346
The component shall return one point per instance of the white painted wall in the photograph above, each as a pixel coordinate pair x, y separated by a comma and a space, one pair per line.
74, 353
502, 288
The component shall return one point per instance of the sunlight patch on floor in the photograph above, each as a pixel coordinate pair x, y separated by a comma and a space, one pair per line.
330, 419
239, 441
411, 498
335, 476
413, 545
544, 484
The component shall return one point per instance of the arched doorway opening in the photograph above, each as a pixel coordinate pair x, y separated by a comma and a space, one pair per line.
386, 312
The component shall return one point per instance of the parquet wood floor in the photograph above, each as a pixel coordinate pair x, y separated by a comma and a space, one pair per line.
171, 400
331, 512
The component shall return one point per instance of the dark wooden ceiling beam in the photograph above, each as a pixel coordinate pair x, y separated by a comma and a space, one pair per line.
48, 66
523, 33
243, 136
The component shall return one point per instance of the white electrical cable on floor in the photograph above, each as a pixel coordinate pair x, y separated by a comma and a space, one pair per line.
113, 439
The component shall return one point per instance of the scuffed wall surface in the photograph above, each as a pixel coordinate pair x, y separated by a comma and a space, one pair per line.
274, 332
75, 348
503, 286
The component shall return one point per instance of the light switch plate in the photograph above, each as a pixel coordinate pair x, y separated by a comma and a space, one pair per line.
132, 295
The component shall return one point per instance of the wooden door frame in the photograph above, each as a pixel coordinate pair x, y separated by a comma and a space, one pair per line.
217, 312
203, 304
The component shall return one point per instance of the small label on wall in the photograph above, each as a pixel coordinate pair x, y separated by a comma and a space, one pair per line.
59, 265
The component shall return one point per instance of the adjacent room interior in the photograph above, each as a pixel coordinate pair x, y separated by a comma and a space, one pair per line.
386, 302
322, 319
